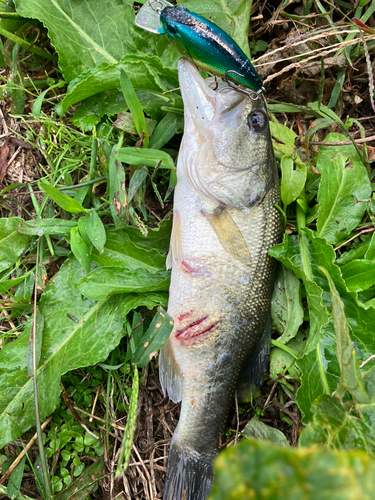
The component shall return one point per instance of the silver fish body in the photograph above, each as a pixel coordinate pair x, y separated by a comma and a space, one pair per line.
225, 221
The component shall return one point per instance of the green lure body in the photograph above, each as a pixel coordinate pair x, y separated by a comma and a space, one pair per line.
208, 46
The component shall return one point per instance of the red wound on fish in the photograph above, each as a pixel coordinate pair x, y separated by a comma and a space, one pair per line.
181, 317
188, 269
192, 331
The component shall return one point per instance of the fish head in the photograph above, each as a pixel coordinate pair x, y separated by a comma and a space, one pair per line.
230, 159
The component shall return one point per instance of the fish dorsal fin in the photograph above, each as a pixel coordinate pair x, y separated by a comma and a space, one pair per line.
175, 246
229, 234
169, 374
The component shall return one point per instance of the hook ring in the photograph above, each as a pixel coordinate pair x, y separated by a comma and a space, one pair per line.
251, 94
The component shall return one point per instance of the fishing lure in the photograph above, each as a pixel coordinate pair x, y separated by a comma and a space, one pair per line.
207, 45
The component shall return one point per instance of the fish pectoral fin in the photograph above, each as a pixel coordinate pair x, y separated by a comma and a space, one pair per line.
229, 235
175, 246
169, 373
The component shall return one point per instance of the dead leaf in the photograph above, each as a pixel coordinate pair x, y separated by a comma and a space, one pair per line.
4, 152
16, 141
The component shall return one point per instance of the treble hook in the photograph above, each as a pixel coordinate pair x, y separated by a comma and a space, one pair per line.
158, 10
252, 94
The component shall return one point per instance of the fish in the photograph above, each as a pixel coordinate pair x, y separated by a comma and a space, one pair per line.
225, 219
208, 46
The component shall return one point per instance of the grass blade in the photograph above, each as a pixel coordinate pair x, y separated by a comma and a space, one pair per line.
126, 446
47, 484
135, 107
65, 202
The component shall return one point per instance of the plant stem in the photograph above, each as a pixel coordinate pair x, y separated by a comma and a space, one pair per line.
107, 412
94, 149
47, 484
305, 258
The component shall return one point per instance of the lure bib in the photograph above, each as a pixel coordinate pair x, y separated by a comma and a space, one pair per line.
148, 16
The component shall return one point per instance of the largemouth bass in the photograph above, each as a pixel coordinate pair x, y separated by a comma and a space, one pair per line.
225, 221
204, 43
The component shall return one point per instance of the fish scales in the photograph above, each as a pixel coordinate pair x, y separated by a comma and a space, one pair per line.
225, 221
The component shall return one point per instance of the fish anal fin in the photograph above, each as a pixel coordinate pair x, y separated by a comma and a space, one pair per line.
175, 246
169, 374
229, 235
253, 374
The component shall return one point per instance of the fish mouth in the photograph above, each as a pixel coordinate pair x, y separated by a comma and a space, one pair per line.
203, 102
196, 329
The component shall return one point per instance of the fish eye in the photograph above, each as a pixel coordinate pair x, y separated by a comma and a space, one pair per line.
257, 120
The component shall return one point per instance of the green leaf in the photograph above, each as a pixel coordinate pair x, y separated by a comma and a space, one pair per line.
121, 251
117, 190
37, 106
136, 181
134, 106
67, 345
126, 446
263, 470
284, 138
95, 230
148, 157
107, 280
350, 376
125, 122
65, 202
84, 235
151, 342
111, 102
343, 191
321, 254
359, 274
15, 480
170, 125
258, 430
320, 374
288, 253
355, 253
282, 358
145, 73
370, 253
320, 370
87, 482
42, 227
293, 178
12, 243
84, 34
80, 249
6, 285
333, 426
232, 16
369, 383
286, 305
157, 238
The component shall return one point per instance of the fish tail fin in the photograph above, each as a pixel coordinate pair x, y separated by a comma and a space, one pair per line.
189, 473
253, 374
